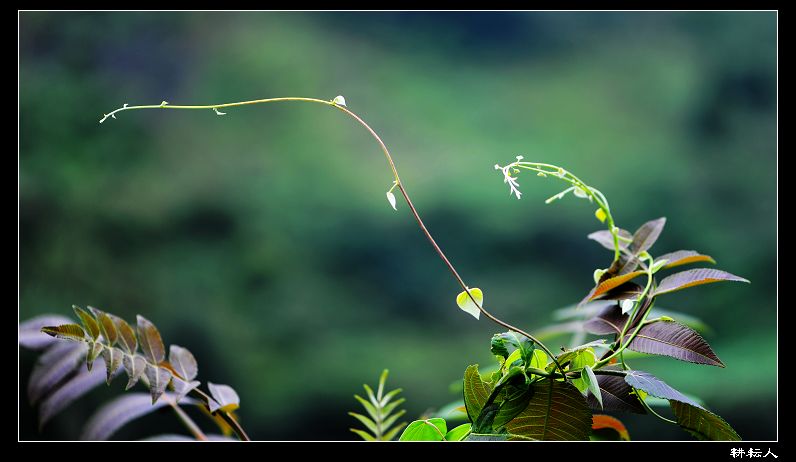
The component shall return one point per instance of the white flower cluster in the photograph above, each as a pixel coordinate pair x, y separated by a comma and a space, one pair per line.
507, 178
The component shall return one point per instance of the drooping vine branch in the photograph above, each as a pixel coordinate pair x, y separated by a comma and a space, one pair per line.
340, 104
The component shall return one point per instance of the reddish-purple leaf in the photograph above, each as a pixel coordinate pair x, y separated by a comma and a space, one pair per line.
126, 338
134, 365
158, 378
702, 424
606, 239
151, 343
656, 387
646, 235
31, 336
617, 395
694, 277
609, 284
684, 257
609, 321
626, 291
113, 359
670, 338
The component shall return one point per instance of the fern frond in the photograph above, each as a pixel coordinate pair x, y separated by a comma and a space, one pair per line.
380, 409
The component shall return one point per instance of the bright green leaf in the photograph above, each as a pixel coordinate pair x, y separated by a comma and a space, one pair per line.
466, 304
425, 430
459, 433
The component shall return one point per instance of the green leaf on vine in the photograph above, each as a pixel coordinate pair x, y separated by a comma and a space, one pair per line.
476, 392
557, 411
702, 424
507, 342
425, 430
466, 304
458, 433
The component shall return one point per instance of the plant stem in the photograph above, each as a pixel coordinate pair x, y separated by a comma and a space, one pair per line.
187, 421
226, 416
397, 182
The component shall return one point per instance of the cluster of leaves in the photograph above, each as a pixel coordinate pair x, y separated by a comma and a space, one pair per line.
380, 407
107, 344
528, 397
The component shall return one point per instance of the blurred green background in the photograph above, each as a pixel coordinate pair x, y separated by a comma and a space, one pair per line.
263, 242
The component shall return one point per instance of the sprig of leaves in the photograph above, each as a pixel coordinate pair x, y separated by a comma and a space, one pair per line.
57, 379
383, 411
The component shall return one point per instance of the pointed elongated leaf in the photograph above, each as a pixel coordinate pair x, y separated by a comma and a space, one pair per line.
557, 411
77, 386
394, 431
476, 392
656, 387
158, 378
368, 423
126, 339
606, 422
609, 284
183, 362
684, 257
31, 335
673, 339
694, 277
94, 350
368, 407
106, 325
386, 399
363, 434
225, 396
703, 424
181, 387
151, 343
53, 366
134, 366
425, 430
92, 328
113, 359
646, 235
390, 420
592, 384
609, 321
606, 239
617, 395
114, 415
66, 332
